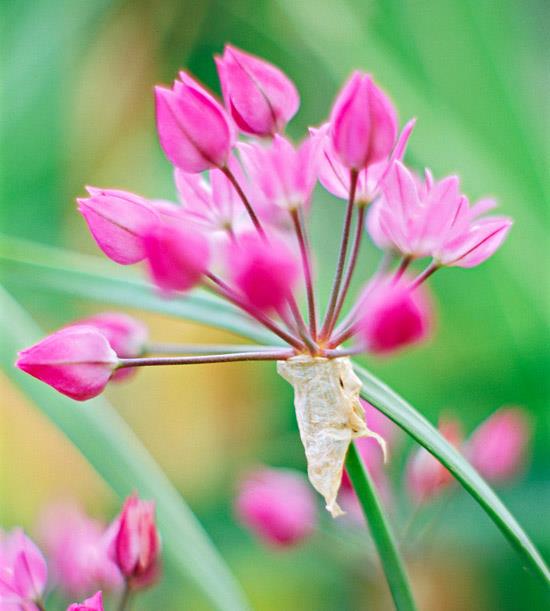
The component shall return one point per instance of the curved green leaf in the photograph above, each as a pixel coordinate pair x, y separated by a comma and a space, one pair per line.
20, 262
405, 416
110, 446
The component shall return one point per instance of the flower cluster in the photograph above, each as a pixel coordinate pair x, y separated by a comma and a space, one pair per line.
84, 556
240, 227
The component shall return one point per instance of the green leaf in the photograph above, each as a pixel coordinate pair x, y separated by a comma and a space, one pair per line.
110, 446
21, 262
405, 416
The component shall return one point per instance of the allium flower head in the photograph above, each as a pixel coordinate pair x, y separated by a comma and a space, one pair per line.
260, 98
277, 505
23, 571
77, 361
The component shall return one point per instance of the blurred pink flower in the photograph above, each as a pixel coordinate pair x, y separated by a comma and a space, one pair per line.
265, 272
497, 447
194, 129
94, 603
118, 220
392, 316
135, 544
426, 476
277, 505
126, 336
177, 256
77, 547
23, 572
260, 98
77, 361
363, 123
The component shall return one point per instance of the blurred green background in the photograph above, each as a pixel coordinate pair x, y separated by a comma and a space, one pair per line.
77, 108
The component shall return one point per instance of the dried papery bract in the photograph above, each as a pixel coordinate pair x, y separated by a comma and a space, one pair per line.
329, 415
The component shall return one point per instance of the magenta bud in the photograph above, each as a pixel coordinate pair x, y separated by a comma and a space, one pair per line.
265, 272
177, 257
23, 571
194, 129
260, 98
94, 603
126, 336
393, 316
77, 361
426, 476
136, 543
277, 505
363, 123
497, 447
117, 221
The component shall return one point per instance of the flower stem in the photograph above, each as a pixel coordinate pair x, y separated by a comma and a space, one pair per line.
305, 253
124, 603
228, 293
341, 256
250, 210
262, 355
405, 262
432, 268
202, 348
382, 535
359, 230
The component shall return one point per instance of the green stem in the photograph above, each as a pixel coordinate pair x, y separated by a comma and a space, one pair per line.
124, 603
382, 535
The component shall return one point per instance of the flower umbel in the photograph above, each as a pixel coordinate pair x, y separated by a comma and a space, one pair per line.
242, 233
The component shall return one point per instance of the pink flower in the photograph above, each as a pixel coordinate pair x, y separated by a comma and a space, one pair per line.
23, 571
78, 550
177, 256
260, 98
117, 221
265, 272
77, 361
284, 176
136, 543
363, 123
427, 218
194, 129
392, 316
214, 205
95, 603
497, 447
426, 476
126, 336
335, 176
277, 505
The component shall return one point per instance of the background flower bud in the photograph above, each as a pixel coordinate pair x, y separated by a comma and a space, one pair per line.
497, 447
260, 98
117, 220
277, 505
363, 123
177, 257
77, 361
265, 272
193, 128
94, 603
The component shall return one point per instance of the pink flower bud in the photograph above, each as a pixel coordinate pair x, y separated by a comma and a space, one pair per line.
78, 549
117, 221
260, 98
363, 123
277, 505
23, 571
177, 256
426, 476
393, 316
194, 129
95, 603
77, 361
136, 543
265, 272
126, 336
497, 447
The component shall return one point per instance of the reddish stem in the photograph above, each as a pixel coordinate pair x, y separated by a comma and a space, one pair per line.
250, 210
262, 355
